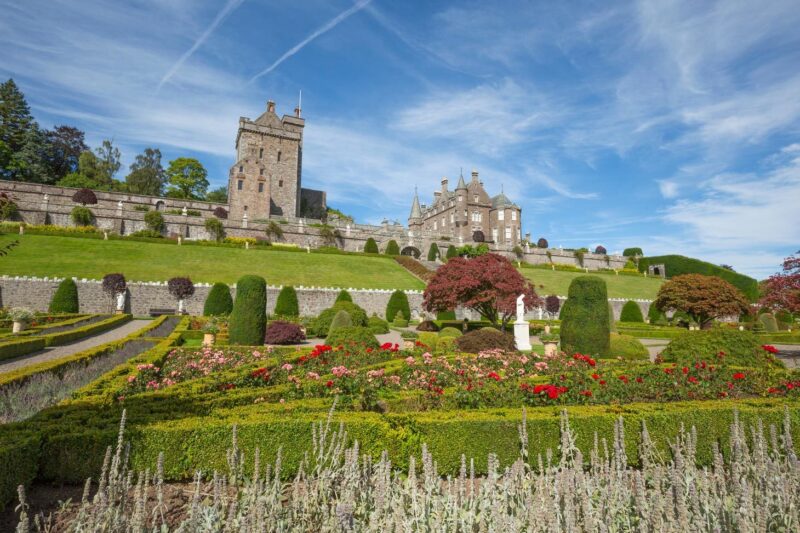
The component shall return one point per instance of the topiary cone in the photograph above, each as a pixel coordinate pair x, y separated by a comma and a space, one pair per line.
585, 318
248, 320
65, 299
219, 301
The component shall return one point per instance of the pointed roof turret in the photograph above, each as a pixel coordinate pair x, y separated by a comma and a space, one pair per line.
461, 183
416, 212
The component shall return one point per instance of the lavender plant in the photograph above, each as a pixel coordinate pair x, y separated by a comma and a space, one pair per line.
756, 488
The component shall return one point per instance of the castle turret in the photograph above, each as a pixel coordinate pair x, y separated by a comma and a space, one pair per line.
415, 218
462, 195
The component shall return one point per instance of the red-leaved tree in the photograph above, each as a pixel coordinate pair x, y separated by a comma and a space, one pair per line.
488, 284
703, 298
782, 291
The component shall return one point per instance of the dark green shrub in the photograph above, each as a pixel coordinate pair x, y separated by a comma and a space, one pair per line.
341, 319
398, 301
154, 221
286, 304
248, 319
219, 301
770, 324
452, 252
628, 348
322, 323
654, 314
427, 325
429, 339
433, 252
678, 264
392, 248
632, 252
450, 332
215, 228
343, 296
377, 325
585, 317
352, 336
631, 312
741, 348
486, 339
371, 247
446, 315
785, 319
400, 320
65, 299
82, 216
280, 332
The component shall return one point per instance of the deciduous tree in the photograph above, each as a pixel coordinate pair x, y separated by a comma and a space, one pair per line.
703, 298
187, 178
488, 284
782, 291
146, 173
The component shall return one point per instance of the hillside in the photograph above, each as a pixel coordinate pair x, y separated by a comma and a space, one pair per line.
557, 282
39, 255
679, 264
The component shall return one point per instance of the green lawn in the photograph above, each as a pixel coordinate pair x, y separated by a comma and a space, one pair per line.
39, 255
556, 282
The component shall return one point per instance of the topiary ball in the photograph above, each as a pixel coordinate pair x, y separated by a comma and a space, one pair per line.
287, 304
486, 339
219, 301
450, 332
280, 332
65, 299
352, 337
342, 319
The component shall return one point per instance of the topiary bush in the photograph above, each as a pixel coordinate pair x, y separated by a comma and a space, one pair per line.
427, 325
628, 347
392, 248
398, 301
585, 317
486, 339
343, 296
322, 323
446, 345
81, 216
371, 247
280, 332
215, 228
741, 348
154, 221
287, 304
446, 315
84, 196
433, 252
452, 252
220, 212
65, 299
377, 325
352, 336
632, 252
450, 332
542, 243
341, 319
429, 339
654, 315
400, 320
248, 321
180, 287
600, 249
631, 312
219, 301
770, 324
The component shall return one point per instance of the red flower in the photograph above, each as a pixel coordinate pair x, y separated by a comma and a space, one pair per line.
668, 370
494, 375
685, 370
595, 376
623, 379
723, 394
539, 388
329, 384
602, 382
639, 380
738, 375
769, 348
587, 393
773, 390
692, 379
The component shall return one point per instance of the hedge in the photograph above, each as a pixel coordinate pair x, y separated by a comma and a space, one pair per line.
343, 296
628, 348
398, 301
341, 319
371, 247
248, 321
65, 299
287, 304
678, 264
392, 248
65, 337
585, 317
433, 252
741, 348
19, 347
219, 301
631, 312
19, 464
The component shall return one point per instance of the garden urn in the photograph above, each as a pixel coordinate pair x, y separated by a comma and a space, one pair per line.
547, 329
209, 339
18, 326
550, 348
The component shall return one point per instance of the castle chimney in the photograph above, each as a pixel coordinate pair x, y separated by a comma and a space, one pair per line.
444, 184
270, 106
474, 175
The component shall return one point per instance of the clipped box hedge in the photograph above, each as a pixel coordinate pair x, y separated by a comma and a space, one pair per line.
65, 337
10, 349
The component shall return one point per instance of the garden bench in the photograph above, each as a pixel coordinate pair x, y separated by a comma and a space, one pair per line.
157, 311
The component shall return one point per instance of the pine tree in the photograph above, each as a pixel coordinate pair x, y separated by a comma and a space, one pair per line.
22, 143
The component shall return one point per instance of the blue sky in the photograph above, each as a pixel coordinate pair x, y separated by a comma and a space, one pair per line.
674, 126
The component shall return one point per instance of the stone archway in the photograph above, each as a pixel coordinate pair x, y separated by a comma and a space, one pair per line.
412, 251
159, 205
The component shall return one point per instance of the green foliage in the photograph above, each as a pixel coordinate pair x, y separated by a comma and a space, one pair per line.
82, 216
187, 178
433, 252
654, 314
429, 339
215, 228
343, 296
584, 317
340, 320
371, 247
678, 264
628, 348
446, 315
322, 323
632, 252
274, 231
65, 299
287, 304
398, 302
785, 319
248, 319
146, 173
8, 209
770, 324
450, 332
155, 222
631, 312
218, 195
352, 335
17, 347
741, 348
392, 248
400, 320
219, 301
452, 252
486, 339
377, 325
630, 265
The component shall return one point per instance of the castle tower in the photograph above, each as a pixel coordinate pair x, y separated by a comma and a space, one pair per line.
266, 178
415, 218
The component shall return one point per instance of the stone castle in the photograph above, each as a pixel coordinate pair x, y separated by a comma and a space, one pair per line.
265, 187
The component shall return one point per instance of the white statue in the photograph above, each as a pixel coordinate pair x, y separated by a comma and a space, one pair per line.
522, 335
121, 301
520, 307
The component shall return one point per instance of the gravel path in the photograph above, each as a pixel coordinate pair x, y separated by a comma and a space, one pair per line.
57, 352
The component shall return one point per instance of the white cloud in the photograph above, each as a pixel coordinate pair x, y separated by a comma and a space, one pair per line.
668, 189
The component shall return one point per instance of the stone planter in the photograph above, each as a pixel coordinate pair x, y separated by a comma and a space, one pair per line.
18, 327
550, 348
209, 339
547, 329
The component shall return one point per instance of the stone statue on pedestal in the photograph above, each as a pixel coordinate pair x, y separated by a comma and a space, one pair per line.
522, 335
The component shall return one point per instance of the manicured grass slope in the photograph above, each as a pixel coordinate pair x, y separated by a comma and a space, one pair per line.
556, 282
39, 255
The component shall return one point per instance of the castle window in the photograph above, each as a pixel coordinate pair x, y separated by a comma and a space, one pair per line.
435, 226
279, 156
460, 198
280, 183
452, 217
444, 221
494, 234
241, 168
513, 215
508, 234
261, 187
501, 215
239, 185
260, 153
475, 198
261, 171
